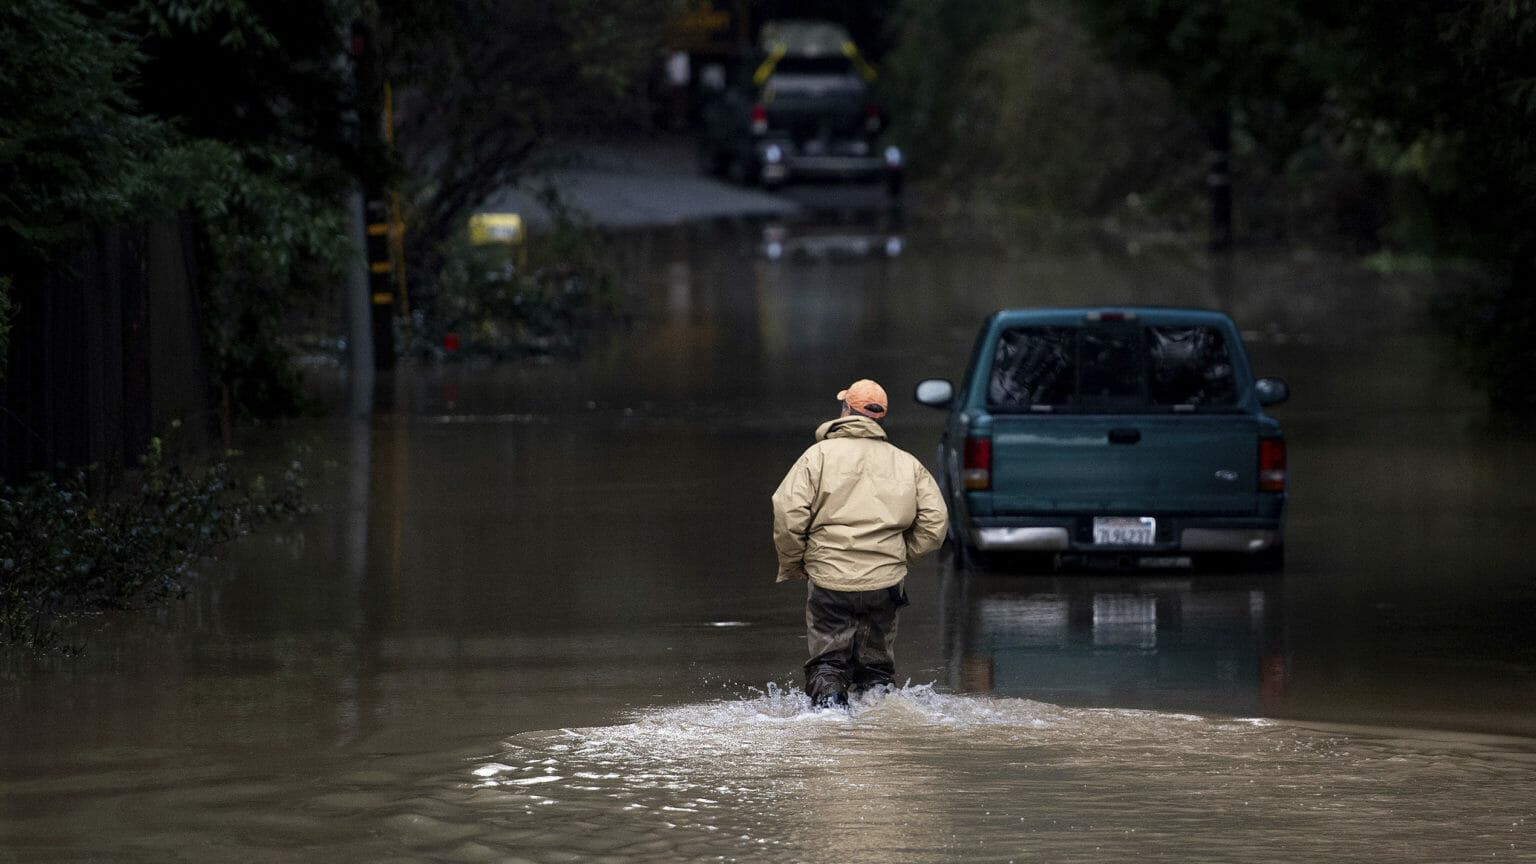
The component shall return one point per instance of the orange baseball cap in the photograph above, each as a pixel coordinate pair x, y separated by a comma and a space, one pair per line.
866, 397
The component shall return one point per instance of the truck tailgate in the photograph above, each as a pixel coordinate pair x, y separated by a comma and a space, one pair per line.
803, 106
1141, 465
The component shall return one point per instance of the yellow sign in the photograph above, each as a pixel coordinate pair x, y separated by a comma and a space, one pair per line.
704, 20
702, 28
495, 228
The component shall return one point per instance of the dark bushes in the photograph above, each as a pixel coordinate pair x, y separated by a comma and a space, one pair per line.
72, 552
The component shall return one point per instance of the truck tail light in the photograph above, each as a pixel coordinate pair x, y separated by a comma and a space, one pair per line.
759, 120
1271, 464
976, 470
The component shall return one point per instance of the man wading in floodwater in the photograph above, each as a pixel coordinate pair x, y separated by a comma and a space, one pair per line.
850, 516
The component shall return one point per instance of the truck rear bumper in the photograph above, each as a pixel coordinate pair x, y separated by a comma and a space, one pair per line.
1229, 539
1175, 534
1021, 538
835, 166
783, 161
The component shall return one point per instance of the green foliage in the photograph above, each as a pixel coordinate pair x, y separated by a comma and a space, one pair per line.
921, 77
6, 310
1492, 330
264, 166
506, 302
236, 24
75, 152
1436, 98
71, 553
256, 121
1039, 128
1253, 58
482, 91
271, 245
1401, 127
229, 110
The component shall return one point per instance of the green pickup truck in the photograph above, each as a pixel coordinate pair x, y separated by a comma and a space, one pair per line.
1127, 437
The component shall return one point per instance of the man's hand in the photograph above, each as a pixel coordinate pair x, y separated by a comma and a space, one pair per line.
796, 575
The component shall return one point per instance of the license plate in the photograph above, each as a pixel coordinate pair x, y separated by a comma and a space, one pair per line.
1124, 530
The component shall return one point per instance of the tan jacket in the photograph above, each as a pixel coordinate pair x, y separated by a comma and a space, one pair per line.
855, 510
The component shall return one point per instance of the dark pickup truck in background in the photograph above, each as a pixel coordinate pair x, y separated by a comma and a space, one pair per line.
799, 106
1133, 437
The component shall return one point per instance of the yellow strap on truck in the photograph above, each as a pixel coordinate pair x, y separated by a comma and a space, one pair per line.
766, 69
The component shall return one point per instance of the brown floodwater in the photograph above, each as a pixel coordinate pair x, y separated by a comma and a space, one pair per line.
534, 619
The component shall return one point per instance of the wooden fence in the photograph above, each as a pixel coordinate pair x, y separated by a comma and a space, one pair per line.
105, 354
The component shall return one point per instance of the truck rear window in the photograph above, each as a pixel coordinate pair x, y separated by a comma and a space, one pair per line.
795, 65
1111, 368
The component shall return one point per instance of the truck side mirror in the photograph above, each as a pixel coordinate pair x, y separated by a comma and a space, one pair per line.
935, 393
1271, 391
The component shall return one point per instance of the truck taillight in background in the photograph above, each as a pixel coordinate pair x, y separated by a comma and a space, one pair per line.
759, 120
976, 470
1271, 464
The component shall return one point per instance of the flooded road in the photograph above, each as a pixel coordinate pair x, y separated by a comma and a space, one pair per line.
535, 619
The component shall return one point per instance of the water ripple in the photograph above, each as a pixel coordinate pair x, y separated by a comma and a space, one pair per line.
920, 775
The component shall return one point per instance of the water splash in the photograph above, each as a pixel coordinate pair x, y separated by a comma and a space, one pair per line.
941, 776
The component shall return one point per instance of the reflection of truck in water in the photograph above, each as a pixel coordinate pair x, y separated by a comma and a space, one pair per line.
1212, 644
799, 106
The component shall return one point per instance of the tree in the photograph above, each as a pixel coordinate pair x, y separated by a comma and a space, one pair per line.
1246, 69
1033, 123
1437, 98
251, 119
75, 150
486, 87
1452, 120
261, 100
124, 111
442, 103
5, 324
922, 75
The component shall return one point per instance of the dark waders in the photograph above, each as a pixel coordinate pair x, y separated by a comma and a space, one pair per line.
852, 641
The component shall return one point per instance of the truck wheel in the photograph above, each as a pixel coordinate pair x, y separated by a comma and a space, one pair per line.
968, 558
739, 171
711, 161
1270, 560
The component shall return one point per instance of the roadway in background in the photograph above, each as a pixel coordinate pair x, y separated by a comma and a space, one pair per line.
654, 180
